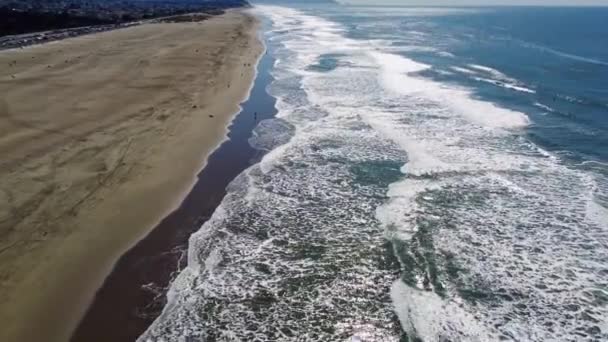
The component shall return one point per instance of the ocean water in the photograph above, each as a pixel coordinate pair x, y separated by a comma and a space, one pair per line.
431, 174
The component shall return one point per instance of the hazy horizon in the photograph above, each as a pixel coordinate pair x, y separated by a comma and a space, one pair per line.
476, 2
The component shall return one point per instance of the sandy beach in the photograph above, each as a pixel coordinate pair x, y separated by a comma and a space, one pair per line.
101, 136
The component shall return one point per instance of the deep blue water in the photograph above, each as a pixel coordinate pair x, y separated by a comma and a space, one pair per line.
434, 174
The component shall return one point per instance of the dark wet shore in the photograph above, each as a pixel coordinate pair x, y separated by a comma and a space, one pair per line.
134, 293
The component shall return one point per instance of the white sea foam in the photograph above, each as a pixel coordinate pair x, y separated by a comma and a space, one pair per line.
394, 73
446, 54
463, 70
435, 320
443, 72
505, 85
494, 238
497, 74
497, 78
544, 107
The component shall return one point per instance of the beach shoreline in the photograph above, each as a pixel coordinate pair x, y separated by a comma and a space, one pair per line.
136, 289
102, 150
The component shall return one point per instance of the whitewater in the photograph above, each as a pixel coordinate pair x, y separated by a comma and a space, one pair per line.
391, 206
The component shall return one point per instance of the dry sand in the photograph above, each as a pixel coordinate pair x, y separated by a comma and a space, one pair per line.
101, 136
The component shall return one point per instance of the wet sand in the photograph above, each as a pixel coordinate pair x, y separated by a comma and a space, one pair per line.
101, 136
134, 294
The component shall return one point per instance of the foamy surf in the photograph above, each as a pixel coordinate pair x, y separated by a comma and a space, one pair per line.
492, 76
391, 206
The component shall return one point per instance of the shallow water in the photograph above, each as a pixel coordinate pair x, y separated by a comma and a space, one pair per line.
417, 186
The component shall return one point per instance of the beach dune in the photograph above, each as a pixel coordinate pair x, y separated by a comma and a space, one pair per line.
101, 136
